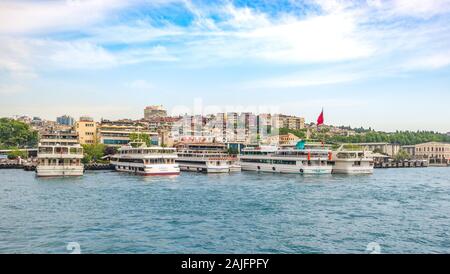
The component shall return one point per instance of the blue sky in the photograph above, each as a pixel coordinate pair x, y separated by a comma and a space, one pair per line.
384, 64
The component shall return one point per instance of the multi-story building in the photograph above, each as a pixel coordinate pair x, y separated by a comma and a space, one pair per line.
65, 120
162, 123
267, 126
117, 133
231, 126
290, 122
86, 128
435, 152
385, 148
248, 127
154, 111
287, 139
43, 126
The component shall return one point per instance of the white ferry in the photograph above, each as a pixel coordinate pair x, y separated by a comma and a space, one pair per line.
59, 155
206, 157
352, 162
139, 159
286, 160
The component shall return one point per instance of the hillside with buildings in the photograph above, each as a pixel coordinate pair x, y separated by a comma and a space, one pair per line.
237, 130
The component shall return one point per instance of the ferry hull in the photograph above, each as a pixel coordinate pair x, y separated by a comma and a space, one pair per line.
348, 167
287, 169
204, 168
353, 171
148, 170
59, 171
235, 168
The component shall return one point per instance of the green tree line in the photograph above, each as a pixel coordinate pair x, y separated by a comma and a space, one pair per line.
399, 137
93, 153
299, 133
371, 136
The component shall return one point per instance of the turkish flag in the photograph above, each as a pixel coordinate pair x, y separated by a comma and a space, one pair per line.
320, 120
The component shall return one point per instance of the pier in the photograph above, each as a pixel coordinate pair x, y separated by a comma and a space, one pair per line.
97, 166
403, 164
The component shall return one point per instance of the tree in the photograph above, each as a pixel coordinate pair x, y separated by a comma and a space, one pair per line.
16, 134
299, 133
140, 137
402, 155
16, 153
399, 137
93, 153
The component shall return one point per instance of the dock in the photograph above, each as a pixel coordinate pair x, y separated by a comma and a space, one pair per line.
403, 164
97, 166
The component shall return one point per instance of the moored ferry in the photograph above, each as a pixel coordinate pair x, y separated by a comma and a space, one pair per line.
352, 161
139, 159
207, 158
287, 160
59, 155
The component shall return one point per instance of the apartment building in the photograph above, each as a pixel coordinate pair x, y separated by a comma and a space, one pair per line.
436, 152
86, 128
117, 133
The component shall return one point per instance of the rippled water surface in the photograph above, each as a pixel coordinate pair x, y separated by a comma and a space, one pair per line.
404, 210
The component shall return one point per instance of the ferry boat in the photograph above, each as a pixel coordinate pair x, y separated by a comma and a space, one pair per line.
286, 160
139, 159
59, 155
352, 161
206, 157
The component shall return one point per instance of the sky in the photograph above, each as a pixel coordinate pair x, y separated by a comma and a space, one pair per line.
373, 63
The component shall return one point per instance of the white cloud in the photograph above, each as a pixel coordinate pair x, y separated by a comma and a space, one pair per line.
345, 31
130, 33
80, 55
419, 8
428, 62
318, 78
26, 56
326, 38
140, 84
44, 16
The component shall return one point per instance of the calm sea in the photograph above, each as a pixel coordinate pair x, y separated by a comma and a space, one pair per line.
397, 210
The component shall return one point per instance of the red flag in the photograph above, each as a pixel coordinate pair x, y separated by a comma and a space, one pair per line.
320, 120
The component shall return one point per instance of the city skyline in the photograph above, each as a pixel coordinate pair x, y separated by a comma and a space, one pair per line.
379, 64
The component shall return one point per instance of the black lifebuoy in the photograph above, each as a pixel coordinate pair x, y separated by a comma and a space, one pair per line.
273, 168
301, 170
